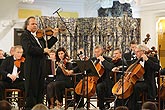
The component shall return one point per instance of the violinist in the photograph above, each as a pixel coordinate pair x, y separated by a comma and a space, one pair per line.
34, 51
147, 83
51, 69
63, 80
117, 70
103, 88
12, 73
117, 60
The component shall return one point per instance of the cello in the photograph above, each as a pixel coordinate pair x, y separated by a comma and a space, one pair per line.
124, 87
92, 82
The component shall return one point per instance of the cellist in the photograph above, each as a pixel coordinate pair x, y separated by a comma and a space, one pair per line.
147, 83
103, 88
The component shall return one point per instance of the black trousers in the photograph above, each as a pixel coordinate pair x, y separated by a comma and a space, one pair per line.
103, 90
56, 89
34, 91
138, 88
17, 84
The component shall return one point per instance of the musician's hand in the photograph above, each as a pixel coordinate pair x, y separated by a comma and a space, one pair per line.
144, 56
55, 32
46, 50
60, 65
101, 58
12, 77
70, 72
115, 69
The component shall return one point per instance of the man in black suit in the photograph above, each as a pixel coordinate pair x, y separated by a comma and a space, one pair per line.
147, 83
12, 76
34, 51
1, 56
104, 84
130, 56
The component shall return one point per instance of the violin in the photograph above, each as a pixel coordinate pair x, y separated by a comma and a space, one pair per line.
115, 59
48, 32
63, 62
18, 62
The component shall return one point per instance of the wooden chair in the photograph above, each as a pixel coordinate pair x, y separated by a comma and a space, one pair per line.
69, 98
15, 95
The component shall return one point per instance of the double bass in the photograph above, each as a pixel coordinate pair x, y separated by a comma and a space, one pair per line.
81, 87
124, 87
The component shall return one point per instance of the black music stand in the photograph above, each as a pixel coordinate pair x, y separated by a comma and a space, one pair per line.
88, 69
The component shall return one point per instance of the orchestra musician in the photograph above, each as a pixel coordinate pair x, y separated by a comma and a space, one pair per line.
118, 62
118, 65
51, 69
63, 80
130, 56
103, 88
1, 56
35, 50
147, 83
12, 73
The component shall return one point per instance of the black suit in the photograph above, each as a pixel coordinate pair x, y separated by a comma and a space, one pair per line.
34, 67
130, 57
148, 85
104, 84
7, 68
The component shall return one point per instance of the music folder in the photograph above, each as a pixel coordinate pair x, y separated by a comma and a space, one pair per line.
87, 66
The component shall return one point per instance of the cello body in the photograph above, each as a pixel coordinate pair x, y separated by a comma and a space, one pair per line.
124, 87
81, 87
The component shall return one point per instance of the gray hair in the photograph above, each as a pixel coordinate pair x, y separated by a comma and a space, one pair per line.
142, 47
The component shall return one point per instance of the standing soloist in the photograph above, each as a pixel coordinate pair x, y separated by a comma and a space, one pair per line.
34, 51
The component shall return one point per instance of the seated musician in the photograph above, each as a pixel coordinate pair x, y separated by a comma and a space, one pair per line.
51, 64
103, 88
117, 60
147, 83
50, 69
130, 56
56, 88
12, 77
1, 56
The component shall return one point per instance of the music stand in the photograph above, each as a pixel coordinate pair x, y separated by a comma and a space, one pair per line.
88, 68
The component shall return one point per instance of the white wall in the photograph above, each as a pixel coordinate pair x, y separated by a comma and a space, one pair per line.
149, 14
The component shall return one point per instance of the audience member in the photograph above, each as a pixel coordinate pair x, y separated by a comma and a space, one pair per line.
40, 107
122, 108
5, 105
149, 106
